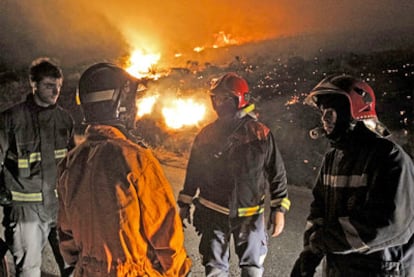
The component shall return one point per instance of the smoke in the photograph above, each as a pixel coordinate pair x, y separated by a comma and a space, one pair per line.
77, 31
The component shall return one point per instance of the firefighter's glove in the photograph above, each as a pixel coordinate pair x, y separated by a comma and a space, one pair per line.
306, 264
316, 242
5, 197
185, 214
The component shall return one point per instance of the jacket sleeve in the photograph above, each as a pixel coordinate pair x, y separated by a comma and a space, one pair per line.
386, 218
4, 144
191, 183
160, 221
276, 173
67, 244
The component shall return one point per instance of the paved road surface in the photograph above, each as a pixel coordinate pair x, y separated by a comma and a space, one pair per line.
282, 250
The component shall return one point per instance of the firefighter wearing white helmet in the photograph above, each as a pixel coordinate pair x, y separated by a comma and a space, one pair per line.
117, 212
233, 162
362, 215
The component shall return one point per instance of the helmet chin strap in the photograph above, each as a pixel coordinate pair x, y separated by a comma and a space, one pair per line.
248, 110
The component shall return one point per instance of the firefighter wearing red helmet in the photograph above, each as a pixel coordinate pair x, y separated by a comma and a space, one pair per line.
117, 212
362, 215
233, 162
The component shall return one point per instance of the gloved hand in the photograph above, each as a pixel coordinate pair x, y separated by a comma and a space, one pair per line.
185, 213
306, 264
316, 243
5, 197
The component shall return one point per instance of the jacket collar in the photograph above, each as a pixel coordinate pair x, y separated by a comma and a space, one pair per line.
103, 132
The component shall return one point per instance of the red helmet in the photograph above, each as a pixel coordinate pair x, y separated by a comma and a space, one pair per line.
360, 95
233, 85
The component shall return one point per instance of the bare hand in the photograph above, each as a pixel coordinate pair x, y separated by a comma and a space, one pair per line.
278, 221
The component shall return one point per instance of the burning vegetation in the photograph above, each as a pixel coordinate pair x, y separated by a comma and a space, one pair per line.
174, 103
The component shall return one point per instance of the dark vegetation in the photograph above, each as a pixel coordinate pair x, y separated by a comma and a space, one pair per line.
279, 84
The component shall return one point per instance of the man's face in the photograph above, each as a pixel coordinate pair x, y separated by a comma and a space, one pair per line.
336, 115
328, 118
47, 91
223, 104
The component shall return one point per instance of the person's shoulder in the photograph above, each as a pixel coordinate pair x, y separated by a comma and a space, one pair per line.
207, 130
388, 148
62, 110
257, 129
16, 107
65, 114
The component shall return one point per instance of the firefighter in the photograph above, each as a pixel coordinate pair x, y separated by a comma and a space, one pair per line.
362, 215
34, 136
233, 163
117, 212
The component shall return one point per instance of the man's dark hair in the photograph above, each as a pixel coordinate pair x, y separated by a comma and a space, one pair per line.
44, 67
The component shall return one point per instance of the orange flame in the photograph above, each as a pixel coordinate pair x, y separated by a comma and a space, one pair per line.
145, 105
198, 49
223, 39
183, 112
140, 64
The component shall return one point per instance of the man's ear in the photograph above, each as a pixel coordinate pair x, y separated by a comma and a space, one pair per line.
33, 85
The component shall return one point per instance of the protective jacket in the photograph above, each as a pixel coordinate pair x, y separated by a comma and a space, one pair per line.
117, 212
362, 215
232, 164
33, 140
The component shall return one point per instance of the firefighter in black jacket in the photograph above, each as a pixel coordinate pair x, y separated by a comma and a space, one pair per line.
233, 162
34, 136
362, 215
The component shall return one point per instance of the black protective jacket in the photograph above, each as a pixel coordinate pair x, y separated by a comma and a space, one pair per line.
362, 215
232, 164
33, 140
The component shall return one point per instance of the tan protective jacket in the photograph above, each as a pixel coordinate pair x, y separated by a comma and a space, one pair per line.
117, 212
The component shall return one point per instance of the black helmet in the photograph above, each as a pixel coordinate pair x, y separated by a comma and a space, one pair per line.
107, 94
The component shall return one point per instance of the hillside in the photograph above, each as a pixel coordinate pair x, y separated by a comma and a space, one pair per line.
279, 81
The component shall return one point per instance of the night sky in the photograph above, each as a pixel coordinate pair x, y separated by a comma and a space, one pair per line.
76, 30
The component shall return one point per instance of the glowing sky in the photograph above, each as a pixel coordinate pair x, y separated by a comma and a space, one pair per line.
78, 30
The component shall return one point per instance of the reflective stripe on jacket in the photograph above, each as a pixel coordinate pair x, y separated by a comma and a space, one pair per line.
117, 212
33, 140
363, 206
232, 167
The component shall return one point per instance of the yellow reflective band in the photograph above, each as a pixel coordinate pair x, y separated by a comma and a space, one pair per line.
23, 163
33, 157
249, 211
37, 157
26, 197
285, 203
61, 153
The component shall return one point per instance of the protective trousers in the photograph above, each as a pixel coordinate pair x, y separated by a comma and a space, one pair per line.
250, 239
27, 230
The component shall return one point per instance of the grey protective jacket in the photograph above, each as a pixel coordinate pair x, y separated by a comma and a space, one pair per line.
233, 163
33, 140
362, 215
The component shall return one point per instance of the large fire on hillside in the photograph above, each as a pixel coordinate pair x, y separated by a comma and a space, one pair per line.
179, 112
